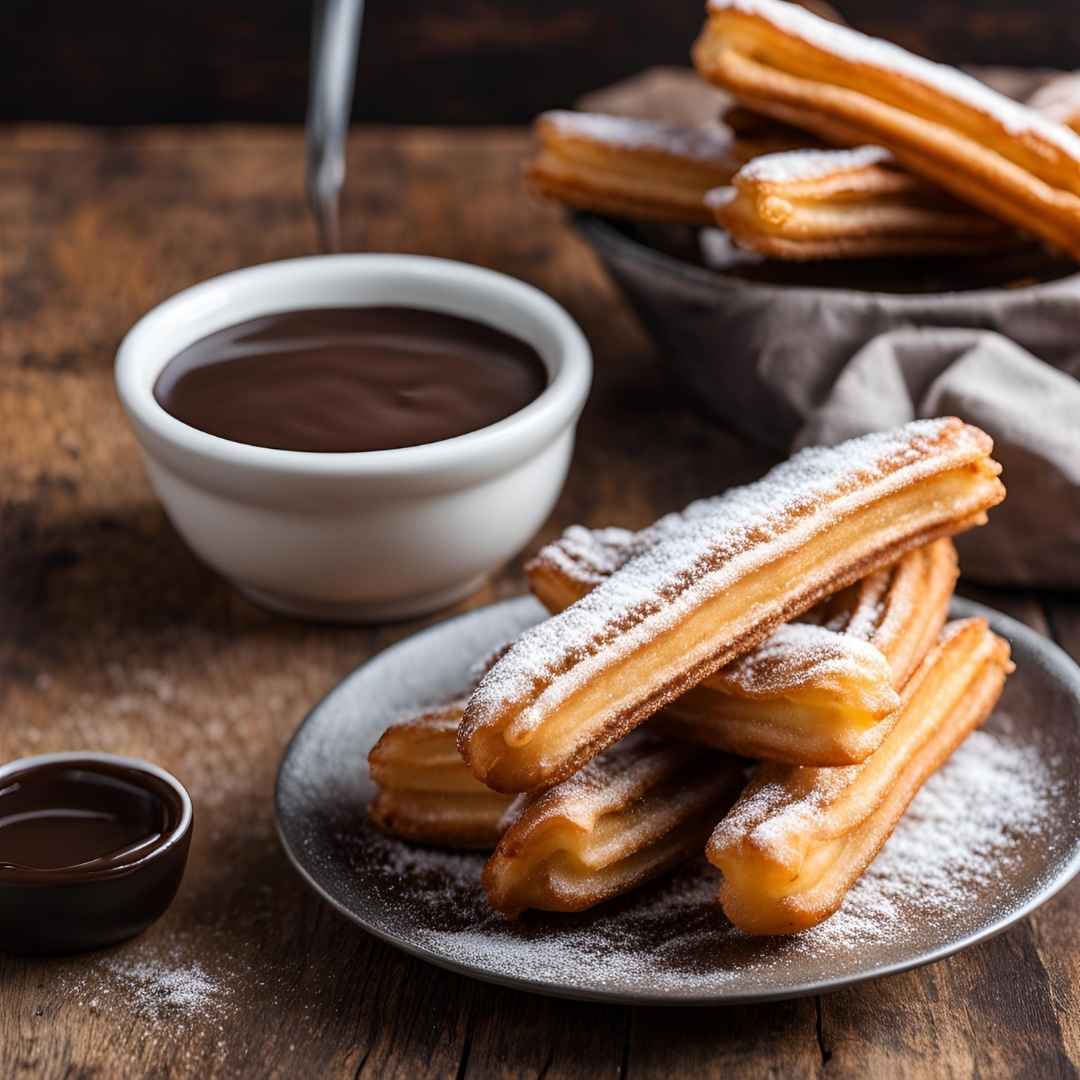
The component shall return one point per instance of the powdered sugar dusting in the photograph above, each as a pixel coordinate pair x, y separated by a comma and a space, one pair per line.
801, 654
955, 853
155, 987
702, 553
705, 144
792, 166
859, 48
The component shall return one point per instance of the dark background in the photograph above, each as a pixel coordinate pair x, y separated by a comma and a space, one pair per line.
423, 61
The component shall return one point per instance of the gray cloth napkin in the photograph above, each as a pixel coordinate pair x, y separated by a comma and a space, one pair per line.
1031, 409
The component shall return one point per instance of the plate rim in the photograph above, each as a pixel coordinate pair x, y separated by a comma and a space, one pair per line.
1055, 657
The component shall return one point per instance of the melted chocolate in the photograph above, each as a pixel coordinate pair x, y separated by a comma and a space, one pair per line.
73, 820
338, 380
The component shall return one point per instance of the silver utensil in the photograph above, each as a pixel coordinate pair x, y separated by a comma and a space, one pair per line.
335, 42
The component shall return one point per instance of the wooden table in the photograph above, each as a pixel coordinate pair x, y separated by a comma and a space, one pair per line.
115, 638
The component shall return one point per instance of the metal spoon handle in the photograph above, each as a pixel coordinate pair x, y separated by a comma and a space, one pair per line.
335, 41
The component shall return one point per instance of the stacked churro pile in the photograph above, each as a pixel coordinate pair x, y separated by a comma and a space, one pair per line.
839, 146
798, 622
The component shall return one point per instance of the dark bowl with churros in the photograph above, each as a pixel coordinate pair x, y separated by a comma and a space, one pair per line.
720, 329
843, 188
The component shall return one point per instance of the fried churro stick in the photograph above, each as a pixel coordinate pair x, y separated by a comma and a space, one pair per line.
947, 127
634, 812
631, 168
425, 791
844, 204
900, 610
716, 587
807, 695
799, 838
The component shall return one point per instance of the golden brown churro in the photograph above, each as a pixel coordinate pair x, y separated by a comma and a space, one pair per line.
847, 88
806, 695
843, 204
799, 838
631, 814
425, 791
716, 587
631, 168
900, 610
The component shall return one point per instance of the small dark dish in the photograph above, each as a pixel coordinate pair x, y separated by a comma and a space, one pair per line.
737, 340
94, 852
667, 943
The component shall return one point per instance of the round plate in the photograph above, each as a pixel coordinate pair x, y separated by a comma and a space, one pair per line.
992, 835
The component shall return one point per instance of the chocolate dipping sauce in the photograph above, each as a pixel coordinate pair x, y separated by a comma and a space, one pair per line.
339, 380
64, 821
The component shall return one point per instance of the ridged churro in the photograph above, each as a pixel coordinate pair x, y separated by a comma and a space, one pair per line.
806, 695
632, 813
426, 793
989, 151
844, 204
799, 838
631, 168
716, 587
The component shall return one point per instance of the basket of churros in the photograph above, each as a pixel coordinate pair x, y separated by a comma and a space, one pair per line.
842, 189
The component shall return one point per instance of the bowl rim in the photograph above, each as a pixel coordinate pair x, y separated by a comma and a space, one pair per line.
557, 406
604, 235
175, 837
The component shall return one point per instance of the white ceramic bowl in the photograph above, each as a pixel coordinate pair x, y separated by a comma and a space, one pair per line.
364, 536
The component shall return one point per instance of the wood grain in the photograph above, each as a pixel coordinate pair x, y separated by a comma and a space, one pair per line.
116, 638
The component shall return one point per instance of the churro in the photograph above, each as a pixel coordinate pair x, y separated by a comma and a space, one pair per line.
632, 813
844, 204
642, 169
847, 88
631, 168
715, 587
426, 793
799, 838
900, 610
806, 695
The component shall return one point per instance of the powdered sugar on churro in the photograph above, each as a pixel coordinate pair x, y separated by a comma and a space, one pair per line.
628, 133
704, 551
792, 166
860, 49
948, 868
801, 654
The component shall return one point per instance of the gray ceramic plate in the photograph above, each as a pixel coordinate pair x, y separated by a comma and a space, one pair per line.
992, 836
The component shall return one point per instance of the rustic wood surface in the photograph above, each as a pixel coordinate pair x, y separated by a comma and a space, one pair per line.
424, 61
115, 638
